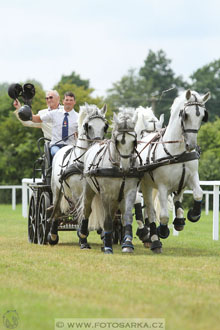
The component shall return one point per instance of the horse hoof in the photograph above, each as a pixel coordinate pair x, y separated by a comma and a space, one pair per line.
52, 239
179, 224
156, 247
163, 231
85, 246
178, 228
191, 217
127, 250
107, 250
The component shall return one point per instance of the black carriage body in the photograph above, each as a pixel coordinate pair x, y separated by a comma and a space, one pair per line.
41, 200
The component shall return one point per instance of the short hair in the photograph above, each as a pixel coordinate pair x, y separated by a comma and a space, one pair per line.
71, 94
54, 91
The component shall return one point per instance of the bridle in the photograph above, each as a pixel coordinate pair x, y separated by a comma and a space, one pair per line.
155, 129
123, 131
91, 118
183, 115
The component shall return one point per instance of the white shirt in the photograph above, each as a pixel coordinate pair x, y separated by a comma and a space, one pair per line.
46, 127
55, 118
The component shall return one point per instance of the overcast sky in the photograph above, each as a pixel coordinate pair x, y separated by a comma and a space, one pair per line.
102, 39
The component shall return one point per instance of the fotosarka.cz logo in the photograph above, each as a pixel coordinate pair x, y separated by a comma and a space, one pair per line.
10, 319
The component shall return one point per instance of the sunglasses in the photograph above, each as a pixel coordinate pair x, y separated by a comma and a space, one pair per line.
49, 98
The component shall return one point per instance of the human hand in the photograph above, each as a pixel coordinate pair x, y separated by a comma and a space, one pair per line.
17, 104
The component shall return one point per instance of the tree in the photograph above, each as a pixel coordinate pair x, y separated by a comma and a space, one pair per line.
147, 87
160, 83
209, 141
206, 79
4, 88
127, 92
75, 79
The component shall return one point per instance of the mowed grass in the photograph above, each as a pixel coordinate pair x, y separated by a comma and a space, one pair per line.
182, 285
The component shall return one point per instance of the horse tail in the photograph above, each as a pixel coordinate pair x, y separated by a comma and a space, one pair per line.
96, 218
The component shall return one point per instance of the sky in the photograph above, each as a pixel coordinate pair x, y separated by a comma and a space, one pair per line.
101, 40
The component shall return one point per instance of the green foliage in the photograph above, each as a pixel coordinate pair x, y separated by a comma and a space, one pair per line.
147, 87
206, 79
75, 79
4, 88
209, 142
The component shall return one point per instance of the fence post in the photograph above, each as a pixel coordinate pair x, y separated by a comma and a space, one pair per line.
215, 233
24, 198
206, 203
13, 198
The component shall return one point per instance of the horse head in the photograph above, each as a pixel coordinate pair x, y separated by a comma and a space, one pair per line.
191, 116
147, 121
92, 122
124, 136
187, 113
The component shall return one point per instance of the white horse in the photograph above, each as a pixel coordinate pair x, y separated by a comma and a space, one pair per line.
147, 123
110, 183
173, 153
67, 167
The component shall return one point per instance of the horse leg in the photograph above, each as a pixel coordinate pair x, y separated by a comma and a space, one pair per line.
163, 230
53, 237
110, 210
179, 221
156, 245
194, 213
82, 232
127, 245
143, 230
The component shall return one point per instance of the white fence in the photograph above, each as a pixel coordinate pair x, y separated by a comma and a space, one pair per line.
13, 194
215, 231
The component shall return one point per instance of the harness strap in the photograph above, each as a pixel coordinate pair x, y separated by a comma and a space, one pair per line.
121, 192
180, 187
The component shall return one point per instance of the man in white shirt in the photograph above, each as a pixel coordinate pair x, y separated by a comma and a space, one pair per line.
64, 123
53, 102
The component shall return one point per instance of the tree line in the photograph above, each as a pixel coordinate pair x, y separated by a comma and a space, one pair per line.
154, 84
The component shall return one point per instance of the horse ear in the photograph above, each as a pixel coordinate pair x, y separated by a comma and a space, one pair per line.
115, 117
161, 120
135, 117
188, 94
104, 109
206, 97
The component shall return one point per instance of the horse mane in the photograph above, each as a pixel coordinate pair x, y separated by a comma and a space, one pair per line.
125, 118
181, 99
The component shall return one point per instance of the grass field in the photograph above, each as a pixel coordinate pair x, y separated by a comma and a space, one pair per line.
182, 285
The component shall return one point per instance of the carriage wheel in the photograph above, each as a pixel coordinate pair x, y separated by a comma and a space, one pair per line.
43, 226
32, 221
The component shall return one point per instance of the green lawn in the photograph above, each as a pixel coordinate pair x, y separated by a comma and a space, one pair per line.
182, 285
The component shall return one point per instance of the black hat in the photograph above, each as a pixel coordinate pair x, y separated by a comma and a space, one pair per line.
28, 91
25, 113
14, 91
